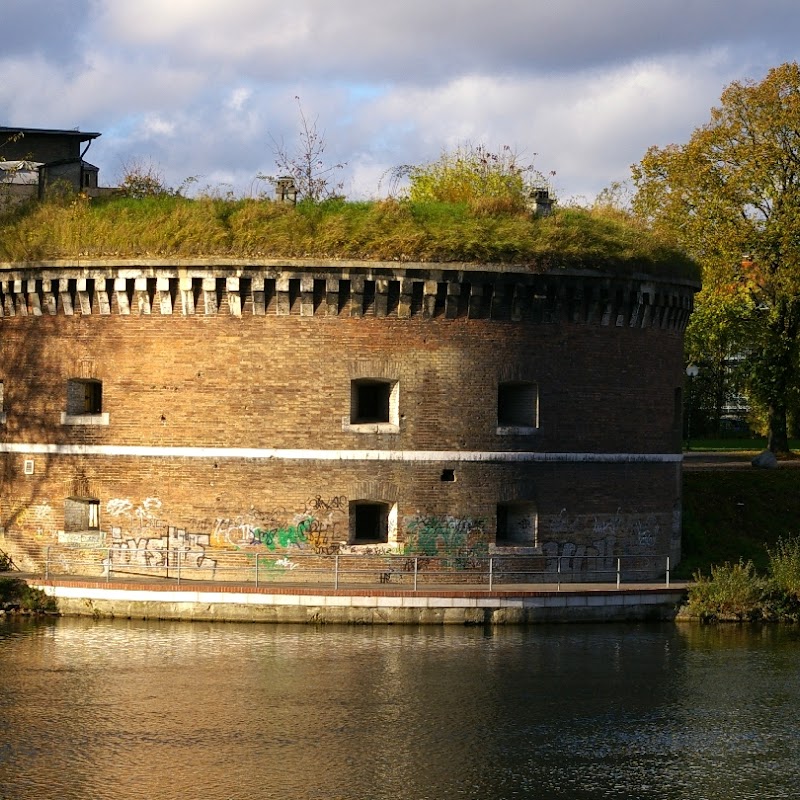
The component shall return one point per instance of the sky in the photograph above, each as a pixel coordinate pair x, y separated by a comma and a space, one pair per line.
207, 89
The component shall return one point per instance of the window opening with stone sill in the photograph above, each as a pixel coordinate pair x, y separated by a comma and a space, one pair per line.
84, 397
517, 406
81, 514
369, 522
517, 525
84, 402
374, 406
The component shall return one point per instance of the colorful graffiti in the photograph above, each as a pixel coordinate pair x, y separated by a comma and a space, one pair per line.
456, 543
320, 527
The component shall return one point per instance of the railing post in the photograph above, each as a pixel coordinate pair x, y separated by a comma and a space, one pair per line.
108, 565
619, 571
336, 571
178, 562
257, 556
667, 571
491, 572
416, 571
558, 572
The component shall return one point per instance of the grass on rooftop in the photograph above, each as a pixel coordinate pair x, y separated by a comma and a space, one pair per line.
384, 230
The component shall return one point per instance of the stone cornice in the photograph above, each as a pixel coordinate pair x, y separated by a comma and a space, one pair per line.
314, 287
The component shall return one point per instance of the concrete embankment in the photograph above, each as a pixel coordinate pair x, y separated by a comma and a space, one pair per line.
236, 603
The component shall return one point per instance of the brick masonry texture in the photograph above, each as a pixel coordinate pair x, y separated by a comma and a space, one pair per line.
262, 357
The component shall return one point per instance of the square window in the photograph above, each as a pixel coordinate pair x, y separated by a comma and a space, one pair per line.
517, 405
369, 401
84, 396
81, 514
517, 525
369, 522
374, 406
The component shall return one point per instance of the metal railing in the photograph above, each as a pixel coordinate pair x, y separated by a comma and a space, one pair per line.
337, 571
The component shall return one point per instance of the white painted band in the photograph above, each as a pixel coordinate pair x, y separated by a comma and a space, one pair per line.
335, 455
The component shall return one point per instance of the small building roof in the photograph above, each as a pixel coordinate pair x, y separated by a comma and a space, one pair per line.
81, 136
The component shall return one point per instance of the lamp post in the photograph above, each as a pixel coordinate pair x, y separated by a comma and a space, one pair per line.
691, 374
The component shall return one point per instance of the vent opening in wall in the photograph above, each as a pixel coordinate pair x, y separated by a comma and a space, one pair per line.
28, 466
448, 476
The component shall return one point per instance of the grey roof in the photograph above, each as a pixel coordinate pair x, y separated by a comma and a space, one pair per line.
82, 136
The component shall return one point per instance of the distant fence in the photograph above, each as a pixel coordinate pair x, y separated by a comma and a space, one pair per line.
412, 572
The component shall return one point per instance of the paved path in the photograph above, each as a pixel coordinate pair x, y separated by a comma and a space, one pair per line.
431, 589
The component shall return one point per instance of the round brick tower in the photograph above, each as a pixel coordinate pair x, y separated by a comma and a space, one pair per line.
334, 406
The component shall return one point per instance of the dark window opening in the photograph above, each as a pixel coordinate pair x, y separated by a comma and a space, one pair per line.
370, 401
448, 476
370, 522
84, 397
517, 524
517, 405
81, 514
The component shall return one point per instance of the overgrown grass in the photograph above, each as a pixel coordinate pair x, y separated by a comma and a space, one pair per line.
741, 545
388, 230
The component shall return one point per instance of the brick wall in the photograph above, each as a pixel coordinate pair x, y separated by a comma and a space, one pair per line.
269, 387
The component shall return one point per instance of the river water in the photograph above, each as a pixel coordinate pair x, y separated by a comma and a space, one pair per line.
125, 709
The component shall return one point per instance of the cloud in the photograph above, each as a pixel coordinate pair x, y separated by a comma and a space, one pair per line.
203, 87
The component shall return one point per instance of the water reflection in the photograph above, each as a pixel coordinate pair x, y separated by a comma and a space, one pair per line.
176, 710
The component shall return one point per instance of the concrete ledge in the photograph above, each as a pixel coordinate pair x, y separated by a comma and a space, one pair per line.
386, 607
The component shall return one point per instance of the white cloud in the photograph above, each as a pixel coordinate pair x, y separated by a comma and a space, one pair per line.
201, 86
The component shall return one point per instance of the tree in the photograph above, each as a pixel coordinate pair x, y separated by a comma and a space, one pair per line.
731, 197
305, 164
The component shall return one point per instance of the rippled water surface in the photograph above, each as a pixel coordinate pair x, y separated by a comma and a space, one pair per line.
96, 710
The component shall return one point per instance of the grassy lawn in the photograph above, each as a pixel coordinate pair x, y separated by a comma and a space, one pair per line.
733, 514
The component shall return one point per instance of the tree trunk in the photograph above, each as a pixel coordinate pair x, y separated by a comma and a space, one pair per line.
778, 439
780, 360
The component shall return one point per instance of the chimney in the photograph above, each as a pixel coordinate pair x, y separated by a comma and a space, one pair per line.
285, 190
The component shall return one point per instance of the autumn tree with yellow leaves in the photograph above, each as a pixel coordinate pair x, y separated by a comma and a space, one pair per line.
730, 197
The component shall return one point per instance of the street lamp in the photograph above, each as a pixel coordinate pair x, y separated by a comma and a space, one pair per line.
691, 373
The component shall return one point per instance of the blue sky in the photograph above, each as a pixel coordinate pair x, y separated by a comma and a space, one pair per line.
202, 87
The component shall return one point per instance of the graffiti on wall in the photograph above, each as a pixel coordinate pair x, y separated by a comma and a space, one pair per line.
456, 543
320, 527
142, 537
577, 542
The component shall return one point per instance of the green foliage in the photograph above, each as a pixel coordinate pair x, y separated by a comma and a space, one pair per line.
15, 592
731, 197
733, 592
473, 175
784, 564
